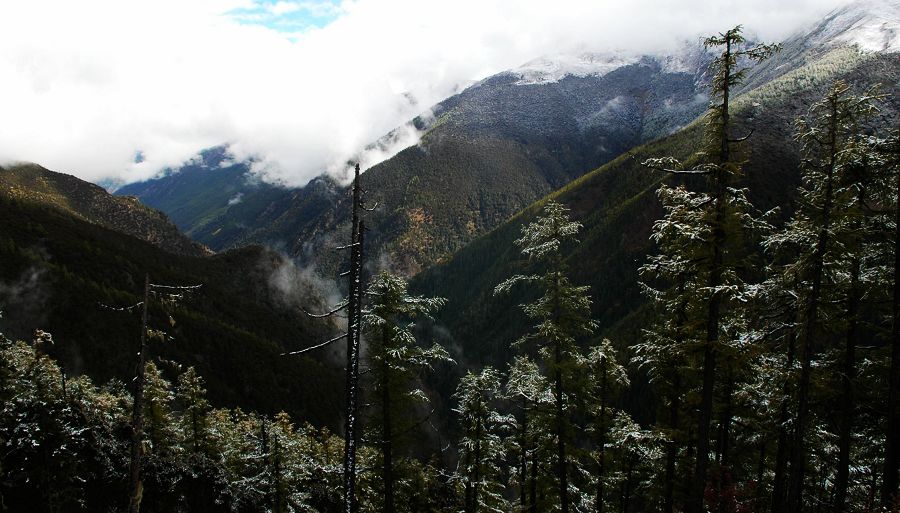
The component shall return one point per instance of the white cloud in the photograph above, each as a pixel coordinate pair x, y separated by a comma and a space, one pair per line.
88, 84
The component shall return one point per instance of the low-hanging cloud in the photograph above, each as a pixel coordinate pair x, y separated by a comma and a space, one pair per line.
88, 86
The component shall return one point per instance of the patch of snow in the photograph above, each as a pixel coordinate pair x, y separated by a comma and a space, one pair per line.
687, 58
873, 25
236, 199
554, 68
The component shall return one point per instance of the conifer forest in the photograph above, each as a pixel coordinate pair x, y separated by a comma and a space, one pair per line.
706, 318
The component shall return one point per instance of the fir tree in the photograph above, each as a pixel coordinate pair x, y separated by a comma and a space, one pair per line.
724, 215
818, 237
562, 314
396, 359
532, 396
605, 375
889, 153
482, 448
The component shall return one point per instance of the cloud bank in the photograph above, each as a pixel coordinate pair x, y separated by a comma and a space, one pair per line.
90, 86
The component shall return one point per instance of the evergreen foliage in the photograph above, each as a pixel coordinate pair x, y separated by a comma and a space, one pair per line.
562, 314
482, 446
760, 376
396, 361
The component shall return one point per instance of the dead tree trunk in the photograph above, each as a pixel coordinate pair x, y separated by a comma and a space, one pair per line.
137, 412
354, 325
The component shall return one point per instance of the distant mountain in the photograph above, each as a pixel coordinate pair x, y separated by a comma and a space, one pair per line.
617, 204
868, 25
484, 154
491, 150
93, 204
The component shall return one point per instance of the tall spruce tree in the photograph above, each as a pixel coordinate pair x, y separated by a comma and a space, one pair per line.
531, 396
725, 214
562, 314
820, 240
606, 377
670, 283
396, 358
889, 153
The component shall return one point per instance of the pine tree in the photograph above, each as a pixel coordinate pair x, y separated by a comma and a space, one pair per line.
482, 448
191, 395
605, 375
670, 281
633, 451
889, 153
725, 214
819, 239
396, 359
562, 314
530, 393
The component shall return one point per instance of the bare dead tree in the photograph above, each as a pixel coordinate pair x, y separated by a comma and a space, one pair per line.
353, 306
168, 295
137, 411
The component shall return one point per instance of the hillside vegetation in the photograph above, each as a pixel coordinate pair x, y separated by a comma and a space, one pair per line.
59, 270
617, 205
93, 204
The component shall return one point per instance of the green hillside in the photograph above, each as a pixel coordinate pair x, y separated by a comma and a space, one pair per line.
617, 205
58, 269
93, 204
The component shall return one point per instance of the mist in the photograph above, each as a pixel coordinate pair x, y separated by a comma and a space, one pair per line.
110, 90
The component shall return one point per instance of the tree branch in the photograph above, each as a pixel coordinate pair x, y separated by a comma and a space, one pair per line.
323, 344
741, 139
333, 311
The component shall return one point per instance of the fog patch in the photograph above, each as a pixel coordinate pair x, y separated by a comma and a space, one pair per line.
237, 198
23, 301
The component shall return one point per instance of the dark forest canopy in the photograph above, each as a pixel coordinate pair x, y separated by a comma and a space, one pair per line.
761, 373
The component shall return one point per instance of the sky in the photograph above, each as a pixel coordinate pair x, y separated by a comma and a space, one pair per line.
120, 90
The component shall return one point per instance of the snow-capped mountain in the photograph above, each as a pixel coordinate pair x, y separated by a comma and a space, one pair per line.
872, 25
505, 141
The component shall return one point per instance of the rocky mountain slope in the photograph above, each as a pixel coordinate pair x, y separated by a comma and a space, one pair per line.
484, 154
92, 203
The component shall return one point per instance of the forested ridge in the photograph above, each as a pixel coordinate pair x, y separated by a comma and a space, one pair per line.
761, 370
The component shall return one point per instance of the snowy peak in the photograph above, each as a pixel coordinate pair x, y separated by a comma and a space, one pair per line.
554, 68
873, 25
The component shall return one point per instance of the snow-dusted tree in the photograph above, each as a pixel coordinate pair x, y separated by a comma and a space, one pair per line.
191, 395
889, 154
819, 239
482, 448
633, 452
202, 479
288, 470
159, 471
41, 443
605, 378
562, 314
670, 283
724, 214
396, 360
532, 397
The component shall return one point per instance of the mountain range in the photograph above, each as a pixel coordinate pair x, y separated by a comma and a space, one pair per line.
572, 128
